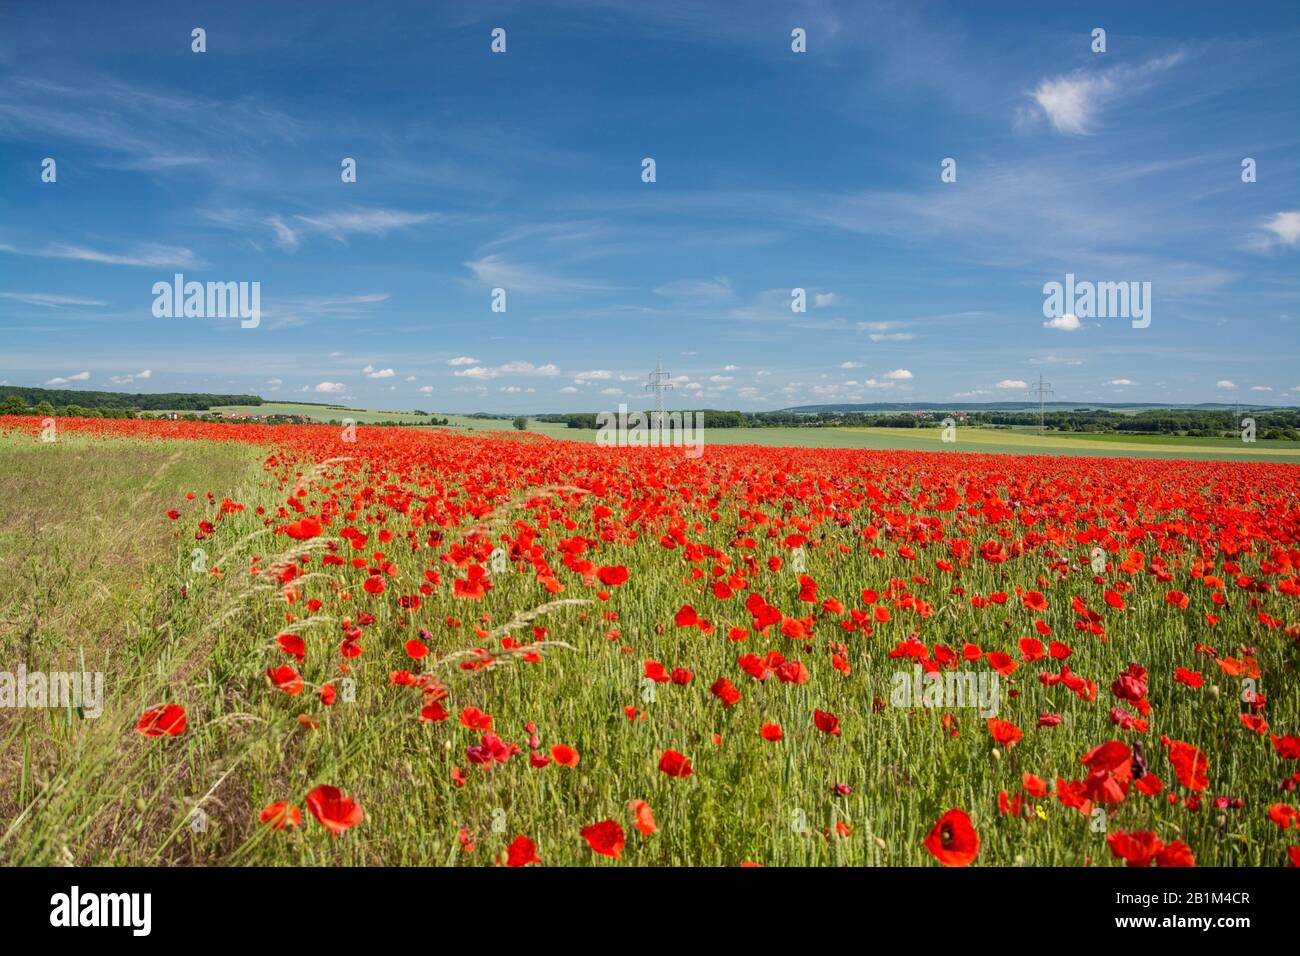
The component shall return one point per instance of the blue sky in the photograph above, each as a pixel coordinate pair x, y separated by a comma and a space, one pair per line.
774, 170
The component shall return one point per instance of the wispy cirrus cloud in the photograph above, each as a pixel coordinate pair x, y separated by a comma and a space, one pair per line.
49, 300
150, 255
289, 231
1072, 101
286, 312
499, 272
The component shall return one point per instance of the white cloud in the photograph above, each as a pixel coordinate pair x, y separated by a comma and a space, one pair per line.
372, 372
370, 222
151, 255
901, 374
1285, 227
128, 379
891, 336
722, 378
821, 299
285, 237
850, 365
1065, 323
409, 378
48, 300
425, 389
329, 387
509, 368
495, 271
876, 383
1261, 388
714, 290
79, 377
528, 368
611, 391
1071, 102
1225, 383
1119, 381
462, 360
599, 373
1008, 383
730, 368
568, 390
274, 381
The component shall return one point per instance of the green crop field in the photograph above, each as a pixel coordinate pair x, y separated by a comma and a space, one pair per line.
984, 440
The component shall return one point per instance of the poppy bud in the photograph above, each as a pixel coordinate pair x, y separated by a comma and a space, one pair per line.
995, 753
1214, 692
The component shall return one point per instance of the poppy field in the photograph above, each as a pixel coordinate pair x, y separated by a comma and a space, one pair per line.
399, 646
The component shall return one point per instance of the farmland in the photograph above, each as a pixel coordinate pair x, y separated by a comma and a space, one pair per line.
468, 648
986, 440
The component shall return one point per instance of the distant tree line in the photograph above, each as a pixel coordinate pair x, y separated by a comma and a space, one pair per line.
1193, 423
159, 401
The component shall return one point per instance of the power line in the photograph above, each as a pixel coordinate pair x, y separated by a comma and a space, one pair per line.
659, 384
1041, 390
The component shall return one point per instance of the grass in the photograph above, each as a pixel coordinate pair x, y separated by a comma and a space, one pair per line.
86, 515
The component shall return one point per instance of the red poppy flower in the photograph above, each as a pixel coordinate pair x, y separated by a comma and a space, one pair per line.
606, 838
686, 617
1284, 815
475, 719
303, 529
675, 764
521, 852
953, 840
1288, 748
1190, 765
564, 755
1035, 601
1004, 732
433, 713
771, 732
1136, 849
281, 815
333, 810
612, 576
725, 691
643, 818
826, 722
293, 645
166, 721
286, 679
